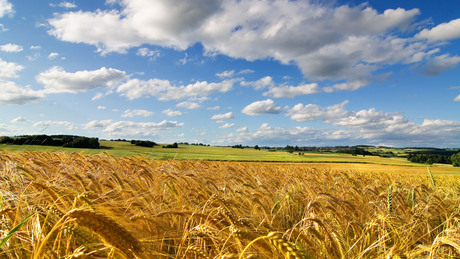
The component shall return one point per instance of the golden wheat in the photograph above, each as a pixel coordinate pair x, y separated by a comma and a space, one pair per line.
133, 206
108, 230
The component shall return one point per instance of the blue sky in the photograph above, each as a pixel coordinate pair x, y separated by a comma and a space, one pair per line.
224, 72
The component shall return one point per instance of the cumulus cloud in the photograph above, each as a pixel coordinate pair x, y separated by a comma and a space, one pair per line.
131, 129
313, 112
9, 69
151, 54
444, 31
172, 113
6, 8
228, 73
53, 55
440, 64
292, 91
56, 80
227, 125
262, 107
48, 124
65, 4
259, 84
329, 42
214, 108
224, 116
9, 47
132, 113
14, 94
386, 128
163, 89
188, 105
242, 129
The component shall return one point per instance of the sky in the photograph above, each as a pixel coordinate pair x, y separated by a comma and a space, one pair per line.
226, 72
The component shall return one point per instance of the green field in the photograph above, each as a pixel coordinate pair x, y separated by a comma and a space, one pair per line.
192, 152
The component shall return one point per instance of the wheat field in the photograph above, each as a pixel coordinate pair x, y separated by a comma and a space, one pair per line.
101, 206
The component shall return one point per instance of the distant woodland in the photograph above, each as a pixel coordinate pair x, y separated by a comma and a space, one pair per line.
53, 140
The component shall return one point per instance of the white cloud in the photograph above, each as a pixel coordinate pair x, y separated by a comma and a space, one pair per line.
224, 116
188, 105
242, 129
6, 8
101, 107
292, 91
246, 71
145, 52
228, 73
18, 120
172, 113
56, 80
440, 64
444, 31
14, 94
349, 85
214, 108
9, 47
262, 107
65, 4
326, 41
372, 125
53, 55
9, 69
457, 99
259, 84
132, 113
369, 127
103, 29
227, 125
164, 91
48, 124
313, 112
131, 129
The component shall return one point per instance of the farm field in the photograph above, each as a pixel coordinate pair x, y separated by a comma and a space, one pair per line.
73, 205
191, 152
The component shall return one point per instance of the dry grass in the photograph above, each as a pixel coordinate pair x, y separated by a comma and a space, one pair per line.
100, 206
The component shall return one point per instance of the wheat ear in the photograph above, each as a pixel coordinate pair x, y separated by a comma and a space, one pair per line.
276, 239
431, 177
110, 231
390, 199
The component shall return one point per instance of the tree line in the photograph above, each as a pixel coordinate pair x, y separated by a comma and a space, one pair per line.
53, 140
435, 158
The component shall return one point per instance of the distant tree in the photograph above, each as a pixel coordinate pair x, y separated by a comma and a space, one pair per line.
5, 140
455, 160
174, 145
257, 147
143, 143
83, 142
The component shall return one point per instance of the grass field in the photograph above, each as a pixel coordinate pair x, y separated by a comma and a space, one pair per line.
70, 205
